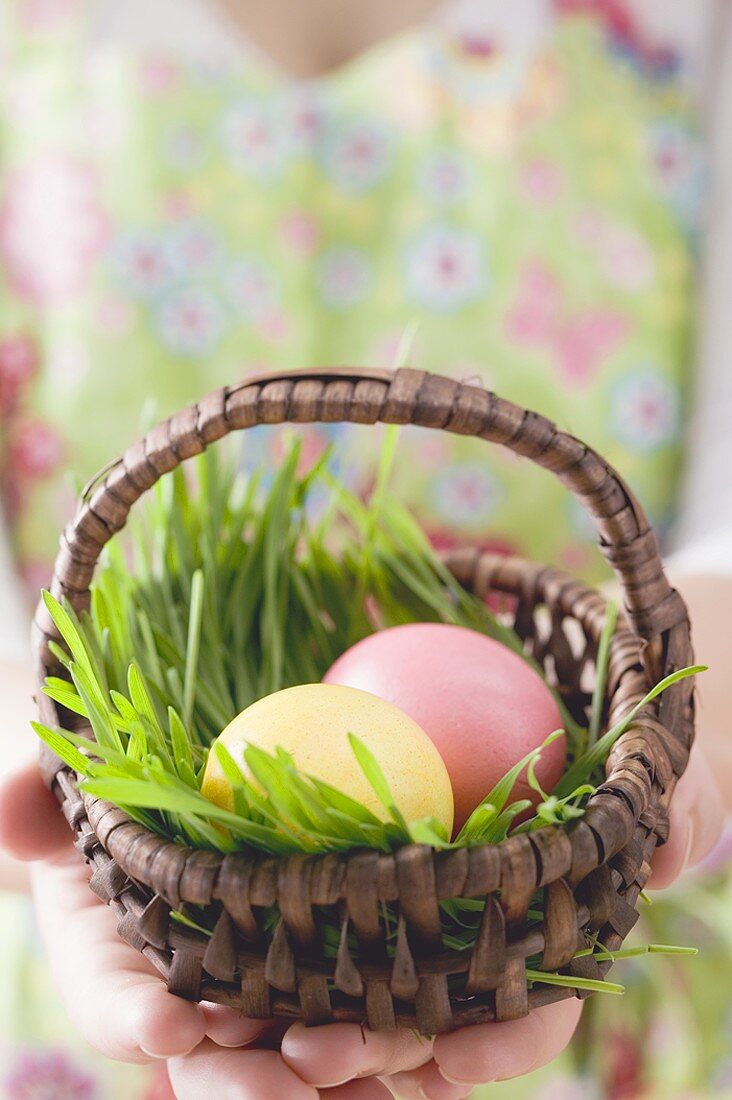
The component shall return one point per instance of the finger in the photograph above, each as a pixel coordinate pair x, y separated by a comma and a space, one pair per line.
229, 1028
696, 819
235, 1075
31, 823
112, 994
367, 1089
427, 1083
497, 1052
330, 1055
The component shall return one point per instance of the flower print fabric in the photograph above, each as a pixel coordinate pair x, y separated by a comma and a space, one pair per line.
167, 226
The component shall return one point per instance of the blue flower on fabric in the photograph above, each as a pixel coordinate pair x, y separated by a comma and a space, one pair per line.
254, 139
192, 249
465, 494
444, 177
190, 320
357, 155
445, 268
645, 410
343, 276
251, 288
141, 262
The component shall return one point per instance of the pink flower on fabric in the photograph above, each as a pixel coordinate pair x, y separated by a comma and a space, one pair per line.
541, 181
47, 15
627, 260
18, 364
115, 316
579, 342
614, 13
275, 327
478, 47
626, 35
624, 256
52, 229
158, 75
48, 1075
35, 450
179, 204
300, 232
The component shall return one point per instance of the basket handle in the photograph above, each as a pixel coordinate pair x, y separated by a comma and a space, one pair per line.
405, 396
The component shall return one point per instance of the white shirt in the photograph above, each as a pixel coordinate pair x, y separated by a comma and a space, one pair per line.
702, 33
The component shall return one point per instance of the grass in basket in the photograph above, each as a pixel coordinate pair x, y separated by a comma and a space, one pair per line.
236, 593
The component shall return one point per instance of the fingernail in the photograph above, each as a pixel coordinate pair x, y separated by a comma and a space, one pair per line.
461, 1081
445, 1090
166, 1057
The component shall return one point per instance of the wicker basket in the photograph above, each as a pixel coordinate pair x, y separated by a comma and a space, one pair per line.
591, 873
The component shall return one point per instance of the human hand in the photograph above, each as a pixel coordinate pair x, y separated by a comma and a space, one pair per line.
120, 1005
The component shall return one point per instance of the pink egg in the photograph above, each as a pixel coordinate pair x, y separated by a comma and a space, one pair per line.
481, 704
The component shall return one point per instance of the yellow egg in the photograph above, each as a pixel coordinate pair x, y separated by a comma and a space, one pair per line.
312, 723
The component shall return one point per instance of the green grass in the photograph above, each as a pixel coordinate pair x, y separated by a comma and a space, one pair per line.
236, 592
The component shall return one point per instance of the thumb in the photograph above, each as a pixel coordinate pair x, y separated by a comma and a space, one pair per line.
696, 819
31, 823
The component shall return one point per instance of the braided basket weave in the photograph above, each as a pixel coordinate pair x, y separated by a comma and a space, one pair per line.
590, 872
